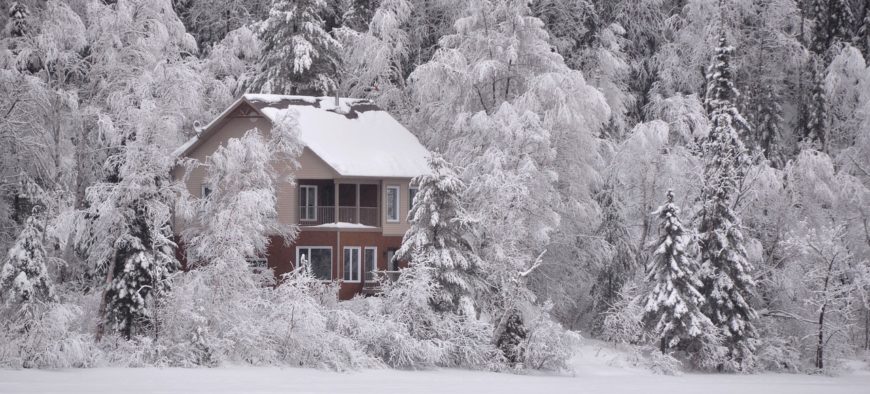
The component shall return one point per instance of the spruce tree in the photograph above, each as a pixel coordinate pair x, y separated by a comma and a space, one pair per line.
722, 95
815, 131
18, 13
438, 238
833, 24
725, 269
862, 38
673, 307
299, 55
24, 278
768, 124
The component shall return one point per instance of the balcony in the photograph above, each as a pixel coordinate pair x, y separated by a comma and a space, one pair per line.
323, 202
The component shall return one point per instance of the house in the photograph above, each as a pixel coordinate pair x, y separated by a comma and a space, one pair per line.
352, 192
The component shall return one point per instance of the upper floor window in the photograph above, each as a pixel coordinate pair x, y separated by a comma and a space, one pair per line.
392, 204
308, 202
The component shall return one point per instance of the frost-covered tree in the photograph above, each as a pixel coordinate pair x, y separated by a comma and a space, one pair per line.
725, 268
141, 92
439, 239
24, 277
374, 61
617, 265
299, 55
673, 306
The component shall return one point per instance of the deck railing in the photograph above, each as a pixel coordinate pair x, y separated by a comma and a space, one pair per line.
326, 214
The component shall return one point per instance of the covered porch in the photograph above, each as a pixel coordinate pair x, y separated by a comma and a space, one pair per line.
329, 201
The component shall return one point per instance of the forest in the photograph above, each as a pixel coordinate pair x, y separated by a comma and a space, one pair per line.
687, 180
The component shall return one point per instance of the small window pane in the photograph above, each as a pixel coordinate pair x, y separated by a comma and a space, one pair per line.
393, 203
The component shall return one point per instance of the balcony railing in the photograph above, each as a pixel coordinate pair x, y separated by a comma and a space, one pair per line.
374, 280
326, 214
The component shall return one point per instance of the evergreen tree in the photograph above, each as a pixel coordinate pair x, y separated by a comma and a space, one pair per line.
833, 24
768, 124
862, 38
299, 55
722, 94
673, 307
438, 238
815, 130
725, 270
18, 13
24, 278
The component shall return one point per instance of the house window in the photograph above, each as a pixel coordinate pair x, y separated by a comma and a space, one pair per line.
351, 264
392, 264
412, 192
205, 190
392, 204
371, 263
319, 260
308, 202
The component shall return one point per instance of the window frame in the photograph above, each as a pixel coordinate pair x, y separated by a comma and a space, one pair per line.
398, 201
374, 250
203, 188
304, 208
344, 276
299, 254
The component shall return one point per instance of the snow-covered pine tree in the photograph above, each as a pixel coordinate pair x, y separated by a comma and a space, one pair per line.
299, 55
833, 24
24, 278
862, 38
673, 306
725, 269
815, 130
722, 94
768, 124
439, 238
18, 13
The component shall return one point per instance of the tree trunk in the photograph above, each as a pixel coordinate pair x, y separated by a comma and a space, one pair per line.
101, 315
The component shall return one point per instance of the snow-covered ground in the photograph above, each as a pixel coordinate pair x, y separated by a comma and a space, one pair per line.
598, 370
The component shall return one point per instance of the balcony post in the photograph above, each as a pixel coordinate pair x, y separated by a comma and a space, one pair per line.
335, 194
358, 218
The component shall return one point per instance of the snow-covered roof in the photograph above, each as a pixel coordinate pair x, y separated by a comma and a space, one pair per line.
356, 138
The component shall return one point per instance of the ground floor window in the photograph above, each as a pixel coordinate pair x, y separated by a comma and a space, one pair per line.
351, 264
319, 260
371, 263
